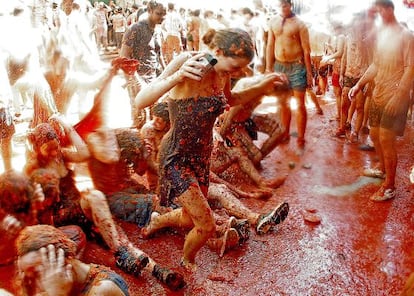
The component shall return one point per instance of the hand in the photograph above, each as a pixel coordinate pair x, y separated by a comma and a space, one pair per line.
353, 91
276, 81
38, 195
11, 225
55, 275
324, 61
192, 68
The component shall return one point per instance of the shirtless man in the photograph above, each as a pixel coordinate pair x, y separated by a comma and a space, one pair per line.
392, 70
288, 51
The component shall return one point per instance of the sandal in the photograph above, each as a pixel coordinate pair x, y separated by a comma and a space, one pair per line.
374, 173
384, 194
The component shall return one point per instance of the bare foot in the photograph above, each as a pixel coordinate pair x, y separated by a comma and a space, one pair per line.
262, 193
275, 183
147, 231
189, 266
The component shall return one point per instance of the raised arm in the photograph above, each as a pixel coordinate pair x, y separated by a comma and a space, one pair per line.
265, 86
183, 66
77, 150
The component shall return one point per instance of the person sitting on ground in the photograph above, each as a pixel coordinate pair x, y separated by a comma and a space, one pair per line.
20, 201
90, 208
48, 264
220, 191
119, 179
240, 124
152, 132
225, 154
194, 92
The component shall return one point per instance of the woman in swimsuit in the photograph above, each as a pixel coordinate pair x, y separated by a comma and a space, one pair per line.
196, 97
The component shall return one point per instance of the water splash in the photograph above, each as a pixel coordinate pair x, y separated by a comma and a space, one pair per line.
347, 189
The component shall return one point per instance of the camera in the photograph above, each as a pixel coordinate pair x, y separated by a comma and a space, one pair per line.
208, 61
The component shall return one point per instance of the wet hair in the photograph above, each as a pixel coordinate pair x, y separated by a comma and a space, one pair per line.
233, 42
16, 192
41, 134
161, 110
33, 238
131, 145
384, 3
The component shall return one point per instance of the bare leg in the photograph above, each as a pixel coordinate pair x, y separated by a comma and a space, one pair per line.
195, 205
258, 194
275, 138
230, 202
6, 153
301, 117
375, 137
128, 257
343, 117
314, 100
338, 99
387, 140
195, 213
285, 113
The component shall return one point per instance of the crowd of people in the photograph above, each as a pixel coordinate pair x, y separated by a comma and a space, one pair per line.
193, 82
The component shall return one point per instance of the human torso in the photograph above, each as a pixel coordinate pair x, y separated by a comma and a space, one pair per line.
118, 22
288, 43
109, 178
144, 46
356, 61
99, 273
394, 51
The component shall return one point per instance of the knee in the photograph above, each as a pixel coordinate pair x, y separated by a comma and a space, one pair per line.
93, 197
209, 227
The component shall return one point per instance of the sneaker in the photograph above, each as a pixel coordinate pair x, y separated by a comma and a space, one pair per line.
384, 194
272, 218
230, 240
242, 227
129, 262
174, 280
366, 147
374, 173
